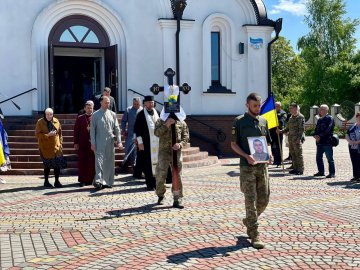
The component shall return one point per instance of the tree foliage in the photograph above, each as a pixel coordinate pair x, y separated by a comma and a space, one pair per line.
328, 50
288, 69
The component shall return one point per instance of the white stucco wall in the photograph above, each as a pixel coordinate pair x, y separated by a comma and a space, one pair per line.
146, 49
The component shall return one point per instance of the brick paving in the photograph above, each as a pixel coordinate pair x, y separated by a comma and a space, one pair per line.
309, 223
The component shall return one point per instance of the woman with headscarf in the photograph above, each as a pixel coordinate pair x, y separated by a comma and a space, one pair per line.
49, 135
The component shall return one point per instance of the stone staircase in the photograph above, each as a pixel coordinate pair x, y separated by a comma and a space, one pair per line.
25, 159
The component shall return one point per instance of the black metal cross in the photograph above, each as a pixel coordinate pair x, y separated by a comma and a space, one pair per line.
156, 89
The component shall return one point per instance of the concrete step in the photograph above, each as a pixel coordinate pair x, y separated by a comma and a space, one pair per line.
37, 158
195, 157
211, 160
40, 165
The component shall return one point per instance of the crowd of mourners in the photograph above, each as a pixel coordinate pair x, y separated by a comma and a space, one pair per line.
154, 143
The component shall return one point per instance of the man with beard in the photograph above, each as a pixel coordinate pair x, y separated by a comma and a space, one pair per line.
86, 157
254, 178
147, 142
104, 131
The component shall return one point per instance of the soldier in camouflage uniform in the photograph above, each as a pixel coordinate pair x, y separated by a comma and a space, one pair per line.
163, 131
254, 177
296, 128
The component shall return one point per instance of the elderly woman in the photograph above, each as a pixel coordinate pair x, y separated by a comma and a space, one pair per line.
48, 133
353, 138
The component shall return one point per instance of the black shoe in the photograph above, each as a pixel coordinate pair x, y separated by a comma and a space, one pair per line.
58, 185
48, 185
81, 184
98, 186
319, 174
107, 186
293, 172
160, 201
148, 188
178, 205
355, 179
299, 173
331, 175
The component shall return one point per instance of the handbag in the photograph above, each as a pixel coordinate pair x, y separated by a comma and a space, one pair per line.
334, 140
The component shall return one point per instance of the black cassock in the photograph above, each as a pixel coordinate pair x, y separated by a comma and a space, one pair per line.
143, 159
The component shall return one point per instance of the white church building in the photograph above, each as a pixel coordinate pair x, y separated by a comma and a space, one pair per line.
128, 44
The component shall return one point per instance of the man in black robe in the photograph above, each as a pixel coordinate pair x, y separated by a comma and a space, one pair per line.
147, 142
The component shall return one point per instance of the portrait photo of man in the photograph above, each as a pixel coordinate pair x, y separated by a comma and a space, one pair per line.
258, 148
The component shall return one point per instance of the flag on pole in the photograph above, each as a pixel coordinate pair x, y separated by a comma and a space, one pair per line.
268, 111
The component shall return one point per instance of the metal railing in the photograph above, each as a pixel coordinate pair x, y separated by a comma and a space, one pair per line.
220, 135
11, 99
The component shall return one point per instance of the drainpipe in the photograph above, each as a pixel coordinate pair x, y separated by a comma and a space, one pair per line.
178, 52
277, 27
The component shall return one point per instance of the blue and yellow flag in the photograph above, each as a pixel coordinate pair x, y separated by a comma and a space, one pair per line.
268, 111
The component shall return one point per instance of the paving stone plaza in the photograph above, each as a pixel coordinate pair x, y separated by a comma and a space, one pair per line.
309, 223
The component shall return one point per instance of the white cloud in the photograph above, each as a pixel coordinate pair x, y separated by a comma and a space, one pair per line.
295, 7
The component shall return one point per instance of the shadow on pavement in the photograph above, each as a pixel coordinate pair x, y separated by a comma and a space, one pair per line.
38, 188
345, 184
116, 192
210, 252
233, 174
136, 211
305, 178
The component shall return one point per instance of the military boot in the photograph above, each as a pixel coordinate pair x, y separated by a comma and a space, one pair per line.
257, 243
160, 200
177, 204
247, 229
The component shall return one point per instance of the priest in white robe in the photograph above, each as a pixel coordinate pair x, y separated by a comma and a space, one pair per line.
104, 132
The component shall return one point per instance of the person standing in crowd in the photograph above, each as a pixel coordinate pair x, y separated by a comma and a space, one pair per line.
127, 130
323, 132
276, 146
353, 138
49, 135
147, 142
296, 129
106, 93
66, 87
104, 132
254, 177
166, 148
86, 157
5, 164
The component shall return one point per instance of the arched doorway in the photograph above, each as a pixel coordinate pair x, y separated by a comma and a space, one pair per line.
81, 63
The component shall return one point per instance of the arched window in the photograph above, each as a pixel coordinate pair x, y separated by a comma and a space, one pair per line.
217, 53
78, 31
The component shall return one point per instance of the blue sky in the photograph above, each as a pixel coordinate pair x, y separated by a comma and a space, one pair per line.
293, 11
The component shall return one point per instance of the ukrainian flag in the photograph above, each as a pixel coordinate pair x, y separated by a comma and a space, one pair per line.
268, 111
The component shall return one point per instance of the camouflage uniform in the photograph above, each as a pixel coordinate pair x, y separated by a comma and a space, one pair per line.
261, 156
165, 154
254, 179
296, 128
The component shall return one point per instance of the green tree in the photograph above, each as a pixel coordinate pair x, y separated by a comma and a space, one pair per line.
287, 72
328, 51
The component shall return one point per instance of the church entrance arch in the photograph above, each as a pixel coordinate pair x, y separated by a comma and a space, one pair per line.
81, 63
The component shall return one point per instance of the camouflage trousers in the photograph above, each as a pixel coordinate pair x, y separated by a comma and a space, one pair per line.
296, 153
165, 160
254, 183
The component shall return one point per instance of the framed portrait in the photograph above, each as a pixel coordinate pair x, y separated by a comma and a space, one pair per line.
258, 149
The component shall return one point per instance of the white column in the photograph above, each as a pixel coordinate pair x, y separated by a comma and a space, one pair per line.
257, 58
168, 28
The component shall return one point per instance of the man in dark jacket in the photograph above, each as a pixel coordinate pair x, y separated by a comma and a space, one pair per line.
323, 133
106, 92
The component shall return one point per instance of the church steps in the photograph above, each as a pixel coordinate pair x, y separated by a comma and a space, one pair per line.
211, 160
37, 158
25, 159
